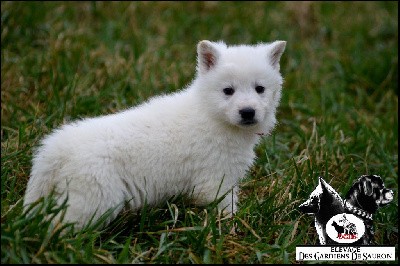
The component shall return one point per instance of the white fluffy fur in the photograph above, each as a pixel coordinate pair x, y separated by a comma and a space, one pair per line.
189, 142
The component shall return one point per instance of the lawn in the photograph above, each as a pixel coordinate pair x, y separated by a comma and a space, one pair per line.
338, 118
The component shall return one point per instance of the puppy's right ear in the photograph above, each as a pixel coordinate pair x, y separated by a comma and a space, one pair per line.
207, 56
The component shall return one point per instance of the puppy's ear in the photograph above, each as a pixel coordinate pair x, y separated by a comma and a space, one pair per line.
274, 55
367, 186
323, 184
207, 56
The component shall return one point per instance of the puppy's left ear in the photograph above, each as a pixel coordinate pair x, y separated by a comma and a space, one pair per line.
276, 50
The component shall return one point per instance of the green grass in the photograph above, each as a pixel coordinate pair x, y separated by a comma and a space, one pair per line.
338, 118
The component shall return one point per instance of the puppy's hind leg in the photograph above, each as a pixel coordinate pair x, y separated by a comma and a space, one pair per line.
90, 204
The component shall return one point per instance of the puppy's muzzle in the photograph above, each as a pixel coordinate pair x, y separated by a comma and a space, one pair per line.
387, 197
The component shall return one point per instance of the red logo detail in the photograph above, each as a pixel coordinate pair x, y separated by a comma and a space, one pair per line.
347, 236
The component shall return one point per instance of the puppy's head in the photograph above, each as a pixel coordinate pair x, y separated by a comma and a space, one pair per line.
370, 193
241, 85
323, 201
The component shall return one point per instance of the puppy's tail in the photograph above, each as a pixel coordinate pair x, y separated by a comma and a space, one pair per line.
41, 181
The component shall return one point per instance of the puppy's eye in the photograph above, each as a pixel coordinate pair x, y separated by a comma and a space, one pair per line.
260, 89
228, 91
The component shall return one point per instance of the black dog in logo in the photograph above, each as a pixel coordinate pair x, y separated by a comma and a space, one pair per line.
339, 229
325, 203
364, 198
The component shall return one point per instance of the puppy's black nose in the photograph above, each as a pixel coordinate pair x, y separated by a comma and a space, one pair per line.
247, 113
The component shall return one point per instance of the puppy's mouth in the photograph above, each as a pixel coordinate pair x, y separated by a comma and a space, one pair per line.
248, 122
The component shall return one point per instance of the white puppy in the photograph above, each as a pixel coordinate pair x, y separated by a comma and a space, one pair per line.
198, 141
